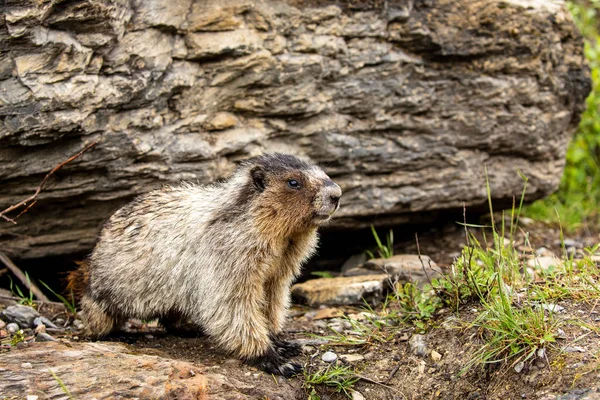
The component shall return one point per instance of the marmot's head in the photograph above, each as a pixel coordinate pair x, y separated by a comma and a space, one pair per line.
289, 195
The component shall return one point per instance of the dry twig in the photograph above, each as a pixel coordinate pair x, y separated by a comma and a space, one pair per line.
41, 186
21, 276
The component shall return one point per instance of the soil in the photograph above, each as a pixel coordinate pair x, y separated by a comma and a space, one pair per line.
569, 369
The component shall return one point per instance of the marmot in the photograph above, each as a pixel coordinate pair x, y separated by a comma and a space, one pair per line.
222, 256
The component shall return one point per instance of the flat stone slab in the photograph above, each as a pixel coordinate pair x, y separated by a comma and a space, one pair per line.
341, 290
103, 370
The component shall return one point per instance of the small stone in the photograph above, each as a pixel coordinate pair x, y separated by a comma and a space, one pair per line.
20, 314
32, 397
573, 349
519, 367
329, 357
327, 313
41, 328
544, 263
417, 345
13, 327
26, 365
560, 334
435, 356
2, 324
43, 321
336, 327
308, 349
357, 396
552, 307
3, 333
59, 321
148, 336
44, 337
541, 353
352, 357
369, 356
77, 324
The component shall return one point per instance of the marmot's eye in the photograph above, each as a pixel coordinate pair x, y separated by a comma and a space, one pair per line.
294, 184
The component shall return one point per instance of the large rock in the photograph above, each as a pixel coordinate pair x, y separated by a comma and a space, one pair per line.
111, 370
403, 102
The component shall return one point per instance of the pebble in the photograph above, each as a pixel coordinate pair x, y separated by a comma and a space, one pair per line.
20, 314
44, 337
59, 321
552, 307
329, 357
357, 396
541, 353
26, 365
32, 397
41, 328
2, 324
519, 367
44, 321
369, 356
435, 356
13, 327
573, 349
148, 336
417, 345
77, 324
352, 357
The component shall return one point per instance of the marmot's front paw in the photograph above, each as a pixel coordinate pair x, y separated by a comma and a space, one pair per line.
287, 349
273, 363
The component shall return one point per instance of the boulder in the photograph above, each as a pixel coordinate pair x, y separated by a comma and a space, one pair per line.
104, 370
404, 103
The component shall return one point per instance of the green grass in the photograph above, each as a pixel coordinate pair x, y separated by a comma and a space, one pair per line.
577, 202
383, 250
495, 277
26, 300
61, 384
69, 304
338, 378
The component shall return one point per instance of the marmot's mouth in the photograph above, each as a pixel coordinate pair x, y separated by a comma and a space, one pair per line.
321, 217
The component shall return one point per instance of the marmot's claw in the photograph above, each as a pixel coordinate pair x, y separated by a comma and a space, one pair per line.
287, 349
274, 363
290, 369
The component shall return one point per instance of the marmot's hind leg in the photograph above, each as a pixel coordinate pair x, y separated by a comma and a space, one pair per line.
98, 322
177, 324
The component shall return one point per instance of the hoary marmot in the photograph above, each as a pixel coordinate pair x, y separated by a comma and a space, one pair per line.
222, 256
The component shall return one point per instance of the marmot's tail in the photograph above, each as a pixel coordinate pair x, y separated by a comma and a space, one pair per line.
78, 279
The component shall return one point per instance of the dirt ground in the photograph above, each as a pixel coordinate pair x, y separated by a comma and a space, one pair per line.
390, 369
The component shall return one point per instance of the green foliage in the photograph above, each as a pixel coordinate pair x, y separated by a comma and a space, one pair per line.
69, 304
17, 337
577, 202
341, 379
322, 274
61, 384
383, 251
16, 291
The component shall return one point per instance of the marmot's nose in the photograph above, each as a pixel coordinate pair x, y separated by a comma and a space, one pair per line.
335, 192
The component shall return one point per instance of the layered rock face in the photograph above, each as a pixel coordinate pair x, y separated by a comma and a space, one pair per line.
404, 103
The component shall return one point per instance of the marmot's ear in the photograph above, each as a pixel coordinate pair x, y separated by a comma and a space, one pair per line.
258, 178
